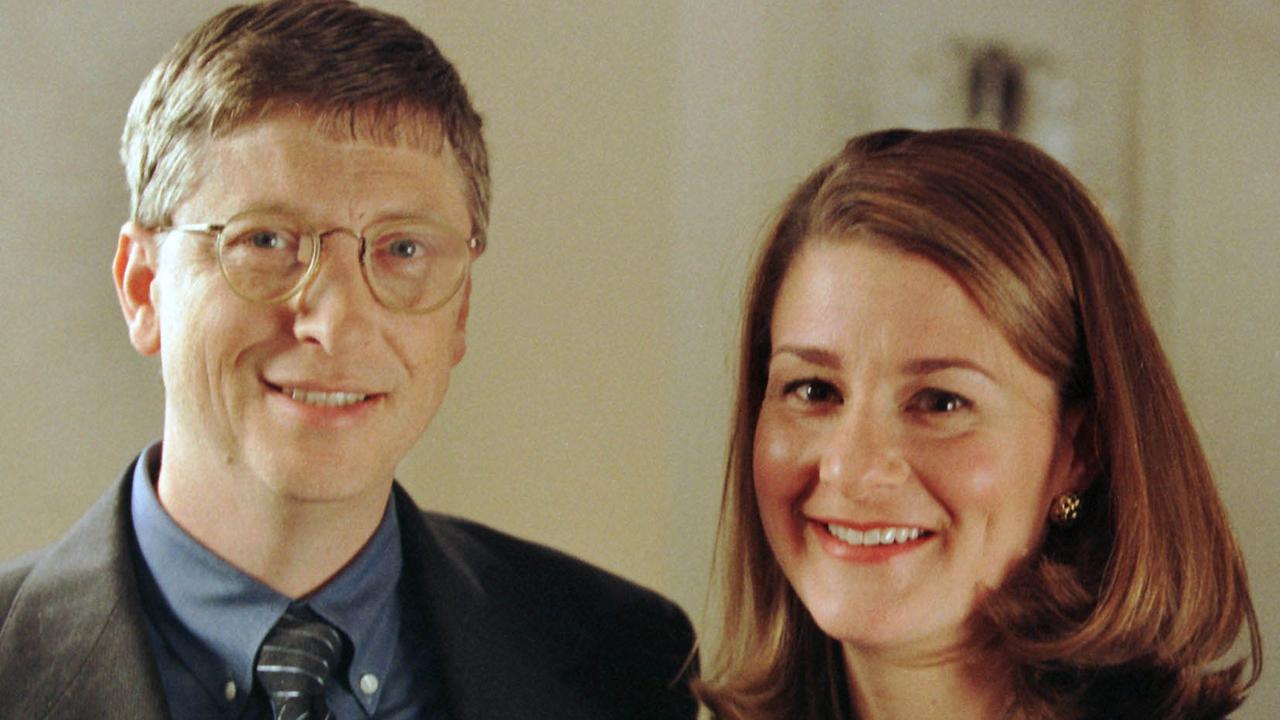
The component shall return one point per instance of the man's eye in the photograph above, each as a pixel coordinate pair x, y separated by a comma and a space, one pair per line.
938, 401
812, 391
266, 240
404, 248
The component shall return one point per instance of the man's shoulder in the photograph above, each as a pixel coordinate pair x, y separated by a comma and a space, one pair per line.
621, 645
13, 573
492, 555
78, 570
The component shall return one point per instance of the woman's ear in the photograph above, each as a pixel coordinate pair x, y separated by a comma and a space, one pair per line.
134, 273
1075, 460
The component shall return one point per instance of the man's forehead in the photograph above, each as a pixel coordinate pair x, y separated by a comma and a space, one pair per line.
290, 161
388, 126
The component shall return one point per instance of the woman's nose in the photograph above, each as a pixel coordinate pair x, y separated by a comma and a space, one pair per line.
861, 452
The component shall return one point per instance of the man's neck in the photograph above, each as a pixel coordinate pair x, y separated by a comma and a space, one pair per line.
291, 545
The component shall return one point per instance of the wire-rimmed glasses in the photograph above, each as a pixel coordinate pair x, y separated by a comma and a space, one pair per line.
412, 265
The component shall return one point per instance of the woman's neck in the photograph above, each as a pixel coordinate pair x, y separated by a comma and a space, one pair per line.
959, 685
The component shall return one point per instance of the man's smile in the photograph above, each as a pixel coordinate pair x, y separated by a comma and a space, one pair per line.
324, 399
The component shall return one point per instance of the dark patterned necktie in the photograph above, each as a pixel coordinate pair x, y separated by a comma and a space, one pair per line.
296, 660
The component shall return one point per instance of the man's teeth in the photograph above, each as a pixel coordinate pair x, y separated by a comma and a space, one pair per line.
324, 399
878, 536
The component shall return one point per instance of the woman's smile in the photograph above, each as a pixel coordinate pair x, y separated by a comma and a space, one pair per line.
905, 454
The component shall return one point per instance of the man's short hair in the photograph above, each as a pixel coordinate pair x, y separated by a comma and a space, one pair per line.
359, 73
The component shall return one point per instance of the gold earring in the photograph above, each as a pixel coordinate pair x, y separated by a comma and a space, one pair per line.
1065, 510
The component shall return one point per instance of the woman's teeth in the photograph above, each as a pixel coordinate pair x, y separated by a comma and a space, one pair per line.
324, 399
878, 536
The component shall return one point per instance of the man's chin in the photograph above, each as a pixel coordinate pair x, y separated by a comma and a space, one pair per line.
321, 484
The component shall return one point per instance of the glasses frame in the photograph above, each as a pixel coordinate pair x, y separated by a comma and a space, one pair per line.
215, 230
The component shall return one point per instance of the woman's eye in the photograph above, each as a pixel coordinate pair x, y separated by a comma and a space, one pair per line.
812, 391
938, 402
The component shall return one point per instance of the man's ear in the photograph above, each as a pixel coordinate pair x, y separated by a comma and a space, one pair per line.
460, 334
134, 272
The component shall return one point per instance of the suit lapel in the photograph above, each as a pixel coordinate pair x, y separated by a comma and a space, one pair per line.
75, 643
494, 665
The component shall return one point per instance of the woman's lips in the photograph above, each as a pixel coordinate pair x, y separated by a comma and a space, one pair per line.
870, 543
876, 536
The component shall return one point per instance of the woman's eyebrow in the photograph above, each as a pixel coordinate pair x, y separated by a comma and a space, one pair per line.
916, 366
814, 355
926, 365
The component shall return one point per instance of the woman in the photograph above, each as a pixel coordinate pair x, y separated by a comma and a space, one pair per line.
962, 482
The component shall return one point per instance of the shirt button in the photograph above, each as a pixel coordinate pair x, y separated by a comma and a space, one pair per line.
368, 683
229, 690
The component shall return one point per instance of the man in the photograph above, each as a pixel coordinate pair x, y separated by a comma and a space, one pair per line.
309, 188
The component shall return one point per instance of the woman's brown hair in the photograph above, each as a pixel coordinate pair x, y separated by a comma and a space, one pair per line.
1127, 614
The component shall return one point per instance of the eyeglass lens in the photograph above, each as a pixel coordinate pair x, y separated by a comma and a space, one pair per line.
412, 265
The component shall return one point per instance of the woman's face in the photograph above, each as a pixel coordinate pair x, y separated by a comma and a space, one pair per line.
905, 455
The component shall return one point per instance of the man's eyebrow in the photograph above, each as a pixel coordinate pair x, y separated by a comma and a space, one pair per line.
926, 365
814, 355
272, 207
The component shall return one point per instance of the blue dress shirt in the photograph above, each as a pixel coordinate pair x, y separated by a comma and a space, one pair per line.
207, 620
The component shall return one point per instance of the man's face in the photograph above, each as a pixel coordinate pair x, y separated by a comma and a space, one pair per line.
320, 397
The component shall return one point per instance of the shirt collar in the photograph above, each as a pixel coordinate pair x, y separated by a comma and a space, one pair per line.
216, 616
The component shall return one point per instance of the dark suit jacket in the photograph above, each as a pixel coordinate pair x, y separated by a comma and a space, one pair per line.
521, 631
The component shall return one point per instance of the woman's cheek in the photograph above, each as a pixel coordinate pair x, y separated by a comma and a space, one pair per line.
779, 459
960, 474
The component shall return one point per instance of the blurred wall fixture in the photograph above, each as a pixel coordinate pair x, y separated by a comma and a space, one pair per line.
997, 88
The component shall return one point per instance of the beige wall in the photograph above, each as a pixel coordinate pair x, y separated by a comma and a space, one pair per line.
1209, 254
638, 148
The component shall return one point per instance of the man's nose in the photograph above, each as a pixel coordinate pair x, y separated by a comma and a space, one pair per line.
862, 451
333, 308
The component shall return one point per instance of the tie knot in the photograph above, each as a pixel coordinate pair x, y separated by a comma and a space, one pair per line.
296, 661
